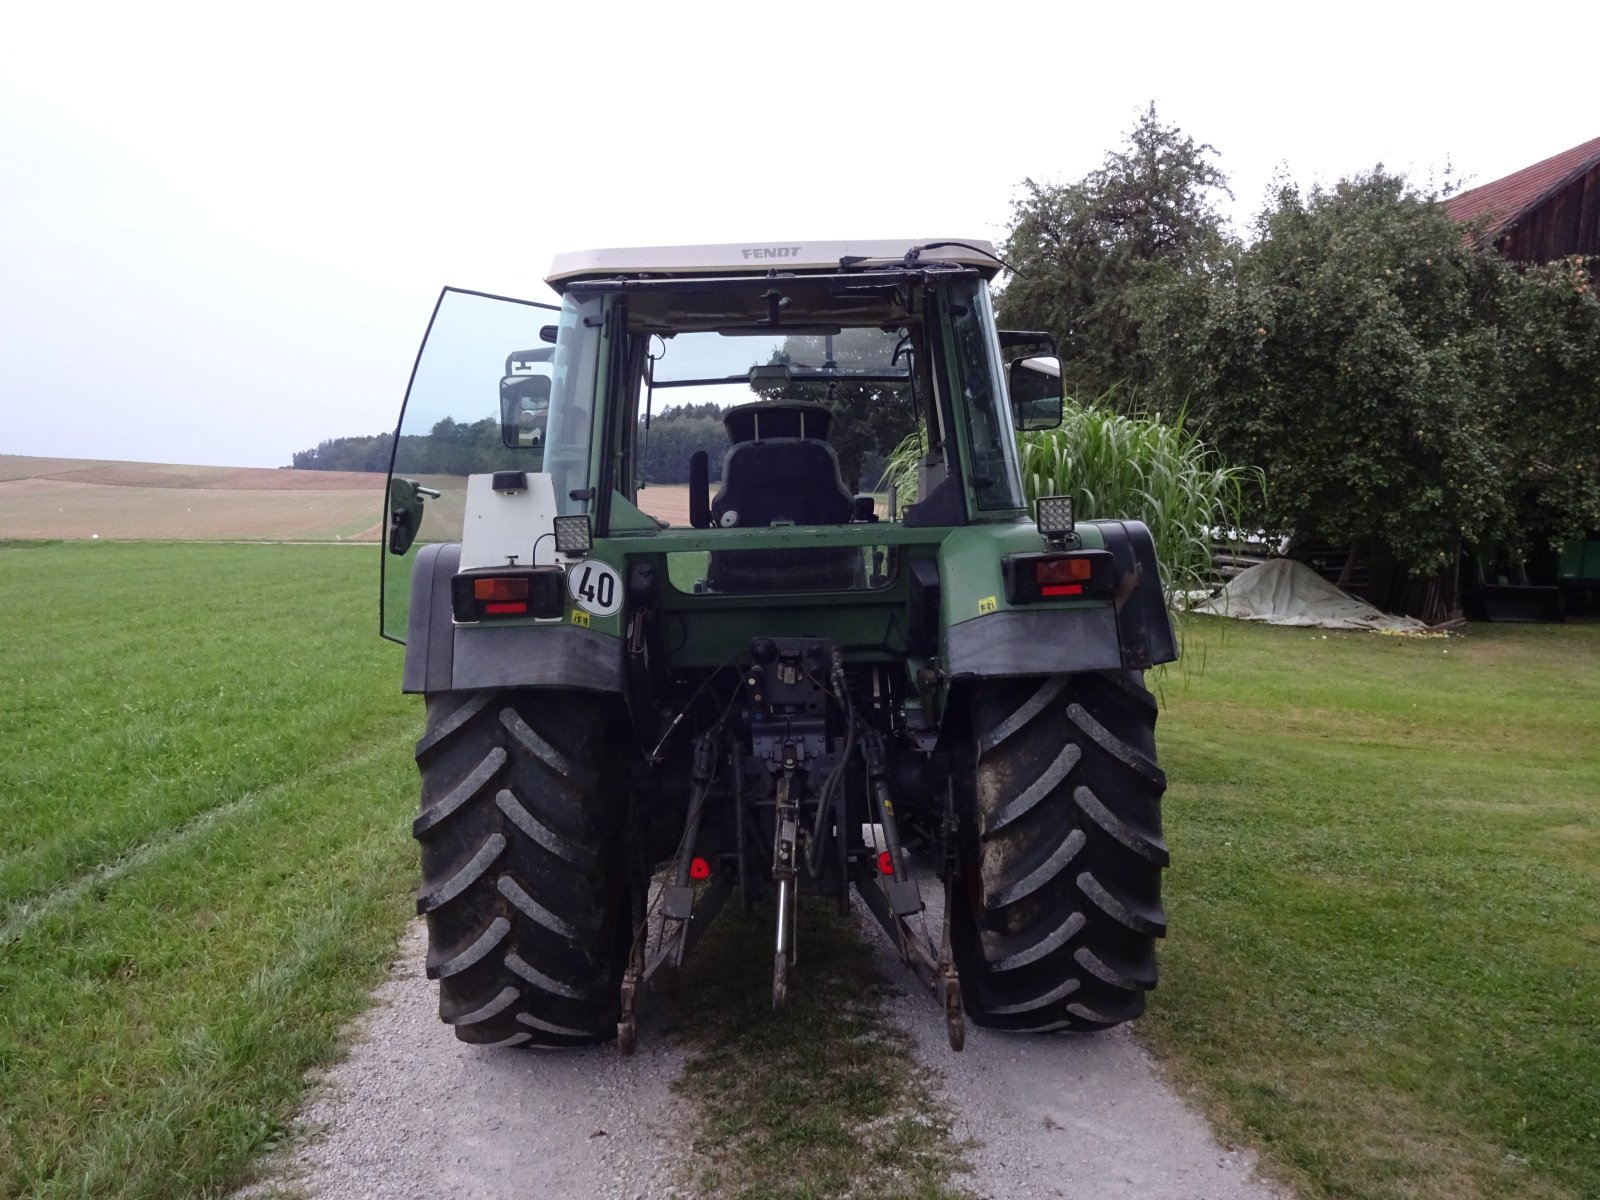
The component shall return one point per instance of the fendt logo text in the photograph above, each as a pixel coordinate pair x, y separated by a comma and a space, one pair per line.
772, 252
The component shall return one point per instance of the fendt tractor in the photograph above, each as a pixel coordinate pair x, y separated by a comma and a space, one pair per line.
785, 680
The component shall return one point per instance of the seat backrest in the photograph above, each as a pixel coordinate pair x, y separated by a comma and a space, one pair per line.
780, 467
793, 480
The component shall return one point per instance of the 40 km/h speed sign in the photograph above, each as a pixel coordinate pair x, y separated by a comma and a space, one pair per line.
595, 587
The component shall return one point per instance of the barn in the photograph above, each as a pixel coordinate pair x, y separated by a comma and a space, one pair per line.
1540, 213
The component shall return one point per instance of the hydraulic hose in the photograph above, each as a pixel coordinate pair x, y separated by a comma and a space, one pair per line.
831, 784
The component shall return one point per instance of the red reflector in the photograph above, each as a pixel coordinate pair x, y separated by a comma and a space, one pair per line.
885, 863
1062, 589
505, 609
699, 868
500, 589
1056, 571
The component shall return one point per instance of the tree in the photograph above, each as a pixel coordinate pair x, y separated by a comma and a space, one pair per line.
675, 434
869, 418
1353, 356
1085, 252
1549, 325
346, 454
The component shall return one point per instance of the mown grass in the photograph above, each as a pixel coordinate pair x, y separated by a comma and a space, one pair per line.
203, 797
1384, 966
825, 1099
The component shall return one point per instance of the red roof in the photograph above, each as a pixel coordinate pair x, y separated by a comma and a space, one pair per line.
1505, 201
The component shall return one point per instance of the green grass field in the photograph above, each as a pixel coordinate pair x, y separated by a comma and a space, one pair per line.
204, 796
1385, 906
1385, 898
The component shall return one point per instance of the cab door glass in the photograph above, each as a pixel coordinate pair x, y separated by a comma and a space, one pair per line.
992, 473
480, 401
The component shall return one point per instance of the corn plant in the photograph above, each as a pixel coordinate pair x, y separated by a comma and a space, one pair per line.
1136, 467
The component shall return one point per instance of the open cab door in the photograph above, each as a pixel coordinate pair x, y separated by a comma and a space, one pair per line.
479, 402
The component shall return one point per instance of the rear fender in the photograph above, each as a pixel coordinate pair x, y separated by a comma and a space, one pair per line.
1144, 626
987, 639
442, 656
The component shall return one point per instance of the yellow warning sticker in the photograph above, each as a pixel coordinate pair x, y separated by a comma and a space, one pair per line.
988, 604
579, 617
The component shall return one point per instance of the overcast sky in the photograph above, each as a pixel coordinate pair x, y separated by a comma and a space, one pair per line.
223, 227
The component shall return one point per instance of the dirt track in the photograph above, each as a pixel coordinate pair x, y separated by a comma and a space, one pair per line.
414, 1113
1066, 1115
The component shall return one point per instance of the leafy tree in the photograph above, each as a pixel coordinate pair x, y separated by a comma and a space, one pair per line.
1352, 355
869, 419
1086, 251
674, 436
1549, 324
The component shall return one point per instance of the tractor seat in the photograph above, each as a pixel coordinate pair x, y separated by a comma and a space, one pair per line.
781, 470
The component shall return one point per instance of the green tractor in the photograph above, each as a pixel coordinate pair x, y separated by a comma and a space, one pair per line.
772, 680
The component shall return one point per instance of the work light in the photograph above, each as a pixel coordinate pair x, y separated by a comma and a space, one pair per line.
1053, 515
573, 535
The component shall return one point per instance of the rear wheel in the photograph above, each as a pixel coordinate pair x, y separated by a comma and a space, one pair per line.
1061, 854
523, 880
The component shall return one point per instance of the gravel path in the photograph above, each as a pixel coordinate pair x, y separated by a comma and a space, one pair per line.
1065, 1115
413, 1113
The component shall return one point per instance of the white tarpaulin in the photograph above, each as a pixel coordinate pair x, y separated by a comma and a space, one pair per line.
1281, 591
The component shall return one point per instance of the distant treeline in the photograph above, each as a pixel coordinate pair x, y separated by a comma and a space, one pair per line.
863, 435
449, 448
674, 435
454, 448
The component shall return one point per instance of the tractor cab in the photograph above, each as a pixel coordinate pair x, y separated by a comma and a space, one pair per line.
851, 387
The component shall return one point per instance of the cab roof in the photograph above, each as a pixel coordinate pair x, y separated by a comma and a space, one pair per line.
760, 258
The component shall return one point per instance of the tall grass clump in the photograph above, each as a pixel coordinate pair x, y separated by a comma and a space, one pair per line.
1134, 467
1141, 468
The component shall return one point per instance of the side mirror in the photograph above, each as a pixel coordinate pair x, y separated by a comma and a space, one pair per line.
405, 514
1036, 396
524, 411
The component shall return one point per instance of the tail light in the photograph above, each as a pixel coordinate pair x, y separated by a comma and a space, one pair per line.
1080, 575
529, 592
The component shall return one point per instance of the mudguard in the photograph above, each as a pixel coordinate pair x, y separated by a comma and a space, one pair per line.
442, 656
1144, 626
1135, 633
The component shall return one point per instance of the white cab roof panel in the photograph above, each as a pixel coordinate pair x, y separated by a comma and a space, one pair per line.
757, 258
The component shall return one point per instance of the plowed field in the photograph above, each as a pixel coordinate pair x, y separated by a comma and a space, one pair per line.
71, 498
78, 498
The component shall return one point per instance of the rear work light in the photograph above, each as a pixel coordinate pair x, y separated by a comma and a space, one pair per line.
1053, 516
1078, 575
527, 592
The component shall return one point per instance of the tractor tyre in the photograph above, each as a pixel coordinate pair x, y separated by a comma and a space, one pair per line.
524, 883
1060, 853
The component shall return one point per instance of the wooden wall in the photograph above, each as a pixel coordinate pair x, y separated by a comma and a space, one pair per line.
1567, 223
